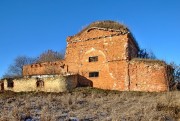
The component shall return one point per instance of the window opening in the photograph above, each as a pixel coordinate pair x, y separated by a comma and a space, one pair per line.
10, 83
93, 74
93, 59
39, 83
2, 86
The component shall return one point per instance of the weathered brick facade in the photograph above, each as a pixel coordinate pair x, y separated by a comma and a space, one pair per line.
103, 57
47, 68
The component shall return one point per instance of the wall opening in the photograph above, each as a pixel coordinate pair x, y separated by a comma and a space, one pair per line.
93, 59
10, 83
1, 86
93, 74
39, 83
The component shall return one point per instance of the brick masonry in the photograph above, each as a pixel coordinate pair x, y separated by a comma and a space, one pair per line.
117, 69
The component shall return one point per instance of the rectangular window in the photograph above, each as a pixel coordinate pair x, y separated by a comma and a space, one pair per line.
93, 74
10, 84
93, 59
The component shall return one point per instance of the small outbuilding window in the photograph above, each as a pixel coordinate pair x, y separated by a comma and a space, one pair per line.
10, 83
1, 86
93, 59
39, 83
93, 74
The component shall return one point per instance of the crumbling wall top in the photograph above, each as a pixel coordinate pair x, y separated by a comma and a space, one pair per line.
108, 29
103, 25
148, 61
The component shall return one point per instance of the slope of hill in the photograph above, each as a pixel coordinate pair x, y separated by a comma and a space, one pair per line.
90, 104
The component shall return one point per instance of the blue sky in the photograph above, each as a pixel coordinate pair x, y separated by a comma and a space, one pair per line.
29, 27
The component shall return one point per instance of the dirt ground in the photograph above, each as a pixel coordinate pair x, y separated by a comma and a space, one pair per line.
90, 104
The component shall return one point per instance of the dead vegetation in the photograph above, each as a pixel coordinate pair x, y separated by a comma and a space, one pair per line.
90, 104
107, 24
150, 61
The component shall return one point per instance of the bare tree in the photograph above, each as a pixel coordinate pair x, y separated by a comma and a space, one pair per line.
176, 73
15, 70
175, 85
50, 56
143, 53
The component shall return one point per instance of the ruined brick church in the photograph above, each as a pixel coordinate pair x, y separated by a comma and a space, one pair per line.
104, 55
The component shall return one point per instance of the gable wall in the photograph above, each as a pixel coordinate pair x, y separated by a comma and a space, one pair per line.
111, 52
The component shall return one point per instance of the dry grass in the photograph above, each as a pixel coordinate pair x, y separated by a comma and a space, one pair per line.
90, 104
151, 61
108, 24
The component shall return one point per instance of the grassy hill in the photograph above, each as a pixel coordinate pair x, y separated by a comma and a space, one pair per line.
89, 104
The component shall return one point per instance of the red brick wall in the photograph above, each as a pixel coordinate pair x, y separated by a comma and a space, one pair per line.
111, 52
91, 34
148, 75
44, 68
114, 47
